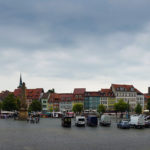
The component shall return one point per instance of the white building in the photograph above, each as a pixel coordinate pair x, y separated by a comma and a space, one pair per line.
140, 98
129, 94
126, 92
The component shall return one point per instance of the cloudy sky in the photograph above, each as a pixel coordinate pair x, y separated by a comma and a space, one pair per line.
66, 44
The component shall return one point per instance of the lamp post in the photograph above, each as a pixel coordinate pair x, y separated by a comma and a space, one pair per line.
128, 109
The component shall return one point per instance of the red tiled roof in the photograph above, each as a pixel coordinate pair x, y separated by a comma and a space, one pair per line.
33, 94
66, 97
138, 92
46, 95
54, 97
79, 91
107, 92
127, 87
93, 94
147, 96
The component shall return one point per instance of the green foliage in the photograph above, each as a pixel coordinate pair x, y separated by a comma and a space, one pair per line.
138, 109
51, 109
77, 108
56, 109
1, 104
11, 103
35, 106
101, 108
121, 106
52, 90
148, 104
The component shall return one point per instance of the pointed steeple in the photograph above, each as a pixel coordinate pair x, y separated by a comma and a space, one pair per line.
20, 83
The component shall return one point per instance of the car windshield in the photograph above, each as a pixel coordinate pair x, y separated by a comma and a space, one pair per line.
81, 119
67, 120
125, 122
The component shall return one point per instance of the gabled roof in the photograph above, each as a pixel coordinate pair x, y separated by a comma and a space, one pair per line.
107, 93
147, 96
126, 87
66, 96
79, 91
93, 94
54, 97
33, 94
138, 92
46, 95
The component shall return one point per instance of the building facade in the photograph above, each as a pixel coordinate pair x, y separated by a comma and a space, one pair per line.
146, 97
78, 95
54, 101
91, 100
66, 100
140, 98
126, 92
44, 102
32, 94
107, 99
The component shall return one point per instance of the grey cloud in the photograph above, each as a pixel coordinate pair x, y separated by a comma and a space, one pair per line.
76, 40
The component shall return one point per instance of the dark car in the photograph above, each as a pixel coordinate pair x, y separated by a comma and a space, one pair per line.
123, 124
66, 121
92, 121
147, 121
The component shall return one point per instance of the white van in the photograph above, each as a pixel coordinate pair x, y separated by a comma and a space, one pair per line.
137, 121
105, 120
80, 121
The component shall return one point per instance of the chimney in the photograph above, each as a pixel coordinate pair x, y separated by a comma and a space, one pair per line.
148, 90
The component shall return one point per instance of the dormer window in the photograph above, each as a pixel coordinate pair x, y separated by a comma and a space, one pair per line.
132, 89
121, 89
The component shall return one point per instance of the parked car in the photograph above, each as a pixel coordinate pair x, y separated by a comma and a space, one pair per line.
123, 124
80, 121
92, 120
147, 121
105, 120
66, 121
137, 121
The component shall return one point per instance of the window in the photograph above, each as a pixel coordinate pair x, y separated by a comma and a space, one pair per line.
76, 96
121, 89
44, 106
80, 96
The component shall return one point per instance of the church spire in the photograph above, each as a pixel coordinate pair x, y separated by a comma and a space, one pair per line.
20, 83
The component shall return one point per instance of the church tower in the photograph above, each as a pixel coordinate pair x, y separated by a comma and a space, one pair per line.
20, 82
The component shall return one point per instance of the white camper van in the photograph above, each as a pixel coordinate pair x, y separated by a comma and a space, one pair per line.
137, 121
105, 120
80, 121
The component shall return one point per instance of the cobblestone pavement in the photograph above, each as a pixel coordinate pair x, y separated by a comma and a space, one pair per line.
49, 135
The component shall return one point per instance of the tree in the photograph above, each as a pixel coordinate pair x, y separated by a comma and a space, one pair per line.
101, 108
148, 104
52, 90
138, 109
120, 106
51, 109
11, 103
1, 104
56, 109
77, 108
35, 106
